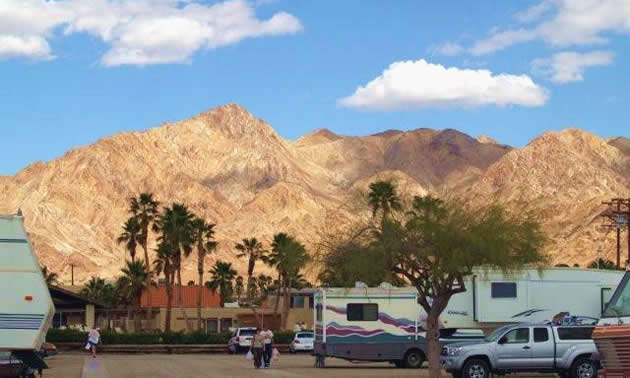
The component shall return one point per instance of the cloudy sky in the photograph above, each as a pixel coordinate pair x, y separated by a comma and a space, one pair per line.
73, 71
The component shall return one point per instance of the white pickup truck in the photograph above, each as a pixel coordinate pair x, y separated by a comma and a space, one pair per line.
542, 348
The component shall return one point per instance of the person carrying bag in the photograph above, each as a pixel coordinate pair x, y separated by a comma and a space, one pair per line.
258, 343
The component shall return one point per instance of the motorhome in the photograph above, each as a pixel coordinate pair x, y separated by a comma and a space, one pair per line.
387, 323
26, 308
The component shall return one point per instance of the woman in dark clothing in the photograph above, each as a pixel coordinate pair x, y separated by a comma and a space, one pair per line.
257, 348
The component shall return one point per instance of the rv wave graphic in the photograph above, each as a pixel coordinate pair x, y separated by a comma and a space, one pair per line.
404, 324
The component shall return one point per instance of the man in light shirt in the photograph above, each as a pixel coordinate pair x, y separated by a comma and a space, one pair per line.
267, 350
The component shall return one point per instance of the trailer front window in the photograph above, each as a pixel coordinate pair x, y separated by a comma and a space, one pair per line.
619, 304
362, 311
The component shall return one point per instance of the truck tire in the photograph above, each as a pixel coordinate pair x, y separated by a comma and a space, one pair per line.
476, 368
413, 359
583, 367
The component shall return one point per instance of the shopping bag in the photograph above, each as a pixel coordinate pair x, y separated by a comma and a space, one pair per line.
275, 354
88, 346
249, 356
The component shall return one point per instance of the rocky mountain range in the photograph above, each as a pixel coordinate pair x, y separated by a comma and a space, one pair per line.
236, 171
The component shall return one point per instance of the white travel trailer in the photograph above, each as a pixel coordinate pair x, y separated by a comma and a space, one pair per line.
26, 308
492, 299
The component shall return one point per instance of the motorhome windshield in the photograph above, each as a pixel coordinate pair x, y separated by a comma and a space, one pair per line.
494, 336
619, 304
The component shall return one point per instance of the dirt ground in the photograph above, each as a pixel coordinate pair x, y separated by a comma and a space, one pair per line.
214, 365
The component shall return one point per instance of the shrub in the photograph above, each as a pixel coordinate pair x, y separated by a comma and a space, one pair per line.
56, 335
283, 337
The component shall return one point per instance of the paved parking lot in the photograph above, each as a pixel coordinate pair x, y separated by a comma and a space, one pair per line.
214, 365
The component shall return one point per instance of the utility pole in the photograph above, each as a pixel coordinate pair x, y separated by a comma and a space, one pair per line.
72, 274
616, 216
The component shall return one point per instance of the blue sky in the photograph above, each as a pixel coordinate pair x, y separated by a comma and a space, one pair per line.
72, 72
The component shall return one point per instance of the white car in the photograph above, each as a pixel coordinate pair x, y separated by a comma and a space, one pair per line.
241, 339
302, 342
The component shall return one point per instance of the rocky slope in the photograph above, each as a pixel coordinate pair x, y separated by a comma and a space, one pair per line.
234, 170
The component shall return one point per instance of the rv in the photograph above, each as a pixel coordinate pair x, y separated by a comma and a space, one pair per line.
492, 299
387, 323
26, 308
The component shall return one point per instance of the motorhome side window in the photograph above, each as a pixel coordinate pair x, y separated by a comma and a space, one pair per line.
619, 304
503, 289
362, 311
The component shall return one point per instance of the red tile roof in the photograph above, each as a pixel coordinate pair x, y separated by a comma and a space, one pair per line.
158, 298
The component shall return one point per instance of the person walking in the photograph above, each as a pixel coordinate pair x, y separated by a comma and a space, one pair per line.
258, 344
268, 349
94, 337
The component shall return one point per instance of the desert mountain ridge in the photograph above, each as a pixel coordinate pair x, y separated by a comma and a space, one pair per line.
234, 170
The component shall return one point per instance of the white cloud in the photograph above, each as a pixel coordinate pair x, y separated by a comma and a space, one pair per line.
568, 66
447, 49
32, 47
573, 22
138, 32
417, 84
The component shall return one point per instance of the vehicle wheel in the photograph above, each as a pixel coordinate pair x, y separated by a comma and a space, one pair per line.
413, 359
476, 368
583, 367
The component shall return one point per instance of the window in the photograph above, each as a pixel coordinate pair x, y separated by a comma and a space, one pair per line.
362, 311
211, 325
575, 333
310, 302
619, 304
516, 336
503, 289
297, 301
541, 335
319, 312
247, 332
226, 324
305, 335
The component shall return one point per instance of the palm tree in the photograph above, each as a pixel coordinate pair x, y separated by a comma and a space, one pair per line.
94, 289
264, 284
130, 236
278, 244
253, 250
164, 264
131, 284
222, 276
145, 209
49, 276
288, 256
202, 236
382, 196
175, 228
602, 263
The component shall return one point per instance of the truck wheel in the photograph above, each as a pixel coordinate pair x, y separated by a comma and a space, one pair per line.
583, 367
476, 368
413, 359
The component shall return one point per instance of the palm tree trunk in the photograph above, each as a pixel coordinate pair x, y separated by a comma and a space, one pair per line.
275, 307
287, 304
169, 303
199, 290
180, 294
147, 264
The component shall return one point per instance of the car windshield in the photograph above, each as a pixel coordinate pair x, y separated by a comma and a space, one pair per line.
305, 335
494, 336
247, 332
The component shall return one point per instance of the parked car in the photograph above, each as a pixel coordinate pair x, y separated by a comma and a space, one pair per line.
302, 342
542, 348
241, 339
48, 349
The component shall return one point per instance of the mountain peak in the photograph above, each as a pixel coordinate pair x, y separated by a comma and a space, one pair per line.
235, 120
318, 136
486, 139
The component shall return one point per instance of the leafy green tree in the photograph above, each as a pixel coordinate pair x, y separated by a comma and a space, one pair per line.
222, 276
49, 276
203, 238
602, 263
253, 250
382, 197
164, 264
435, 244
288, 257
130, 236
145, 209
